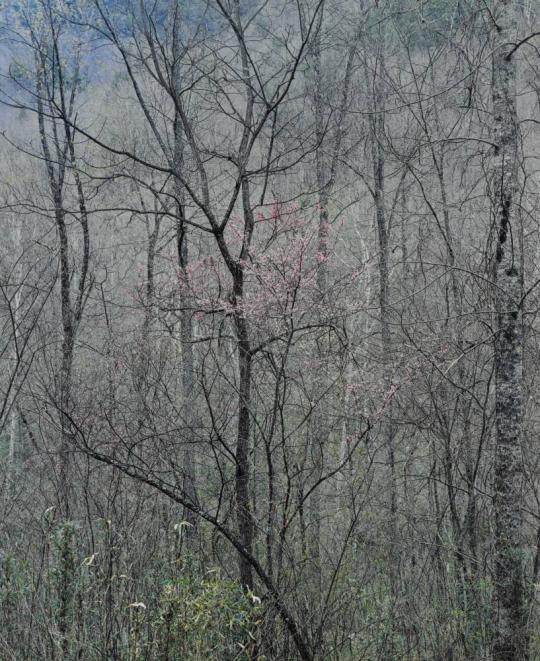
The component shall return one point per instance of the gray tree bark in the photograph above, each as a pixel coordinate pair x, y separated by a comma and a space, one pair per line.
376, 102
510, 634
15, 417
58, 151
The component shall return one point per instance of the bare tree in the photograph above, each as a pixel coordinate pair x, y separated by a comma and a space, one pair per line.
269, 330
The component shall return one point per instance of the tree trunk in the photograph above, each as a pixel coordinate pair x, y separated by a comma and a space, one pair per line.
186, 322
15, 417
377, 119
244, 519
510, 635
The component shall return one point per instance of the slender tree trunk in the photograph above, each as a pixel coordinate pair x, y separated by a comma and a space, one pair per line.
56, 172
244, 517
188, 384
67, 363
320, 419
15, 416
510, 635
243, 504
186, 321
326, 155
377, 119
145, 350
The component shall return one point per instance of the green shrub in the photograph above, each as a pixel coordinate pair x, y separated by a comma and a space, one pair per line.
210, 618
